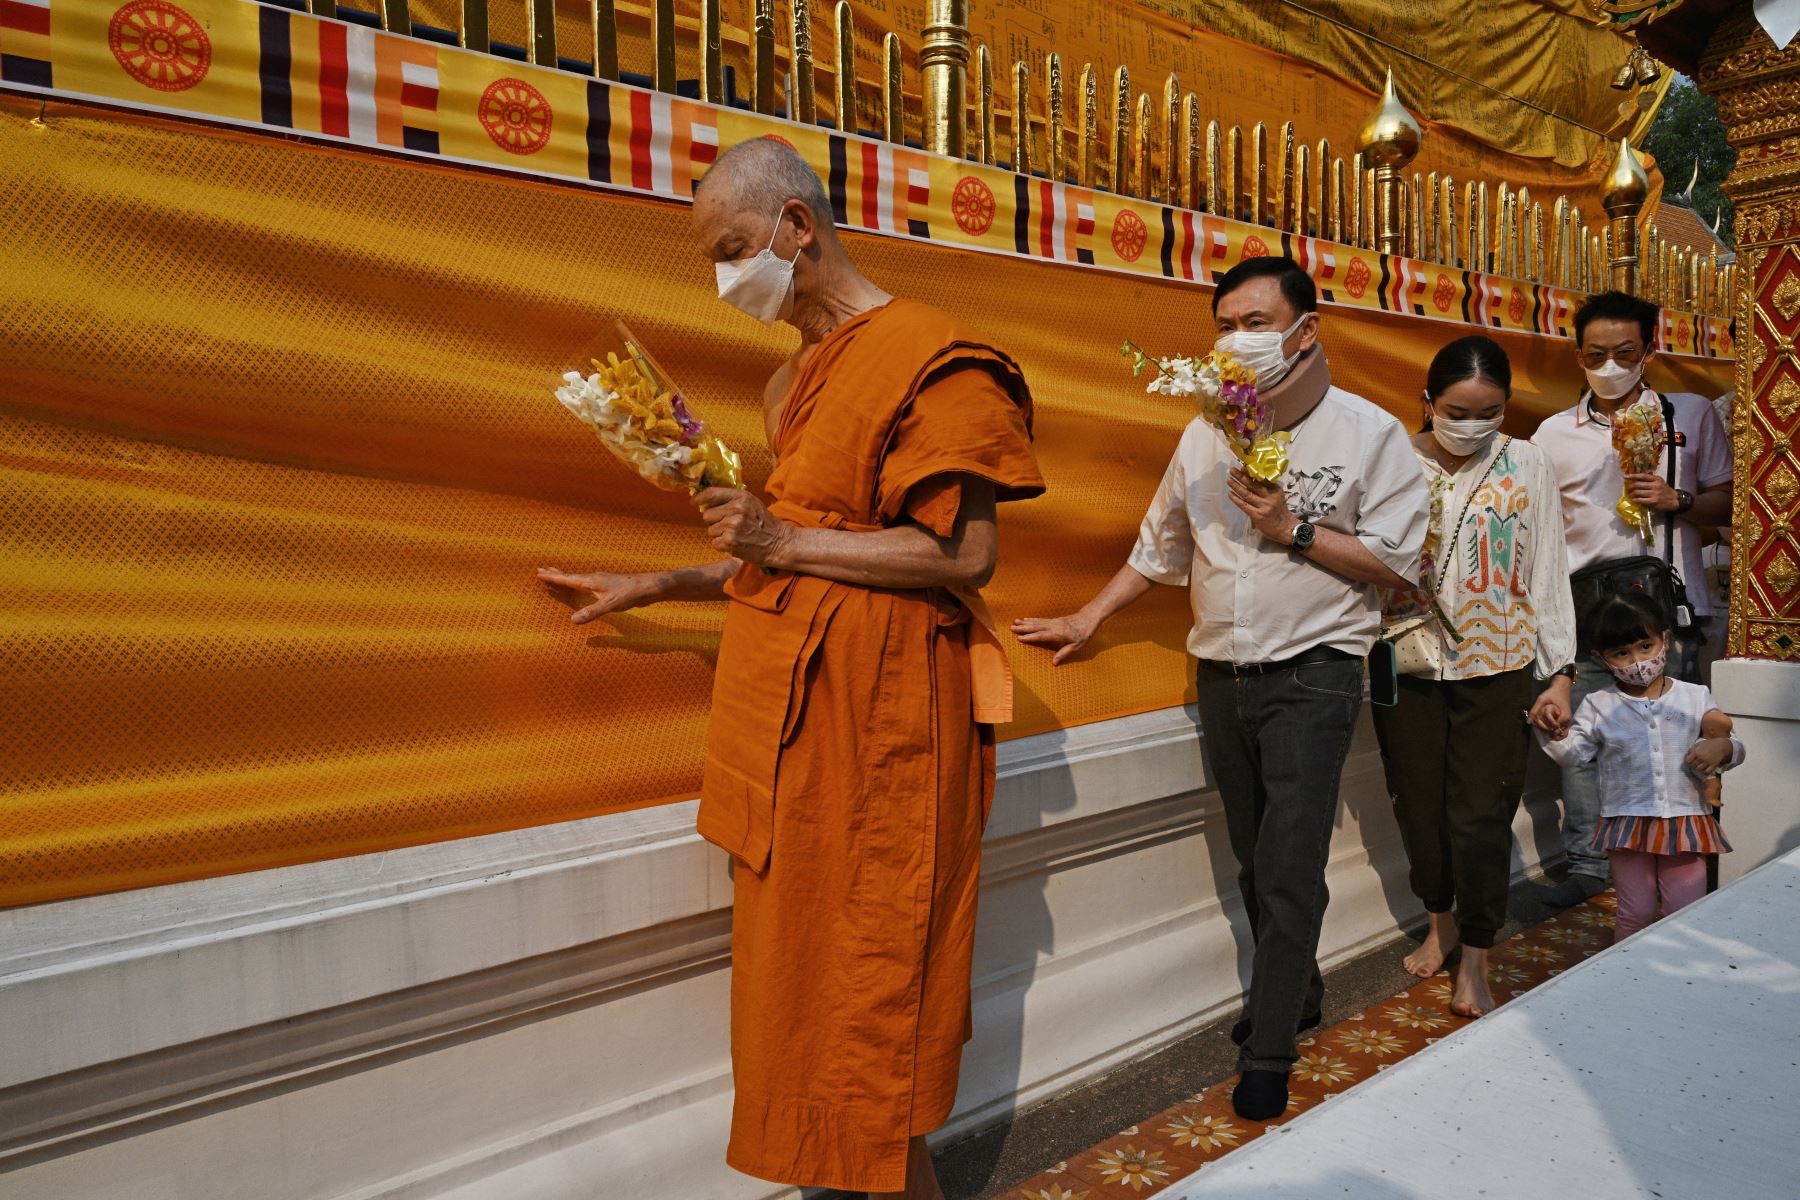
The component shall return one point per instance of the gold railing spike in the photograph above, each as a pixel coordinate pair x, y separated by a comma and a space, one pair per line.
1087, 165
1053, 118
1559, 233
1172, 154
1333, 221
848, 115
944, 76
1320, 185
1452, 251
893, 113
1143, 150
1302, 204
1215, 168
1415, 212
1193, 154
712, 60
805, 109
1498, 233
395, 18
1649, 279
1540, 220
1371, 202
1259, 174
1358, 219
1283, 208
984, 106
473, 34
1121, 131
1234, 173
762, 58
1484, 252
662, 36
1021, 119
540, 31
1433, 249
322, 8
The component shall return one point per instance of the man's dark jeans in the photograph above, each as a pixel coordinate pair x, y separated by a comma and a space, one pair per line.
1276, 744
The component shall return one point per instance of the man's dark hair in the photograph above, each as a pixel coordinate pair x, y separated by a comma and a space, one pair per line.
1617, 306
1296, 285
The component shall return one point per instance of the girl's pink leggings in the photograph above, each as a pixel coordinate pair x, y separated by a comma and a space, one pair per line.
1642, 879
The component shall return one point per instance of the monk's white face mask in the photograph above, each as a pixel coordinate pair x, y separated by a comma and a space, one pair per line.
761, 285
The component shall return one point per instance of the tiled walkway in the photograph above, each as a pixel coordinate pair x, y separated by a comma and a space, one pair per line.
1172, 1145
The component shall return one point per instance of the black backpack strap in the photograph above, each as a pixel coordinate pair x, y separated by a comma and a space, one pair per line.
1668, 413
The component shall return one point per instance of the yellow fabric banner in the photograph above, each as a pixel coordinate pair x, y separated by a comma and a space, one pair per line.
278, 456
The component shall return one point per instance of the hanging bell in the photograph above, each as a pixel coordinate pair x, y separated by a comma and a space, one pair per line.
1626, 76
1648, 69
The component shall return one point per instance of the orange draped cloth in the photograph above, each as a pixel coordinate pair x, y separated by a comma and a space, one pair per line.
847, 772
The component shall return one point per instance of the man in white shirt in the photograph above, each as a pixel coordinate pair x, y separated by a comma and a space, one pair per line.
1284, 585
1615, 338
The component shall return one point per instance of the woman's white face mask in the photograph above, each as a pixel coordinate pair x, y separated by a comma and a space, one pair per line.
1463, 437
1261, 351
761, 285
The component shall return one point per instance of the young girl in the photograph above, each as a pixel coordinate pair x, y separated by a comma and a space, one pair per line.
1654, 759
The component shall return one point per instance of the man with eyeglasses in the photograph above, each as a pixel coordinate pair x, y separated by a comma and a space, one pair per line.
1615, 338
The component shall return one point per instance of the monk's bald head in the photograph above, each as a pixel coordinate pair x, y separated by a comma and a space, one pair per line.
745, 191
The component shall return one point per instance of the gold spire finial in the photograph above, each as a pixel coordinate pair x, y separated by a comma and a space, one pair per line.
1627, 185
1390, 137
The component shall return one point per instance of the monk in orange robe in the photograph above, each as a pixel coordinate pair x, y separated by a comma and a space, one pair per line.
851, 759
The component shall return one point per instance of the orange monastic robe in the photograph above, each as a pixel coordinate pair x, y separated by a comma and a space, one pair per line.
847, 771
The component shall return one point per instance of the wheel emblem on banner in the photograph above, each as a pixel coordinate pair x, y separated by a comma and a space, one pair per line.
515, 115
1445, 293
1517, 306
972, 204
159, 45
1356, 277
1128, 235
1254, 247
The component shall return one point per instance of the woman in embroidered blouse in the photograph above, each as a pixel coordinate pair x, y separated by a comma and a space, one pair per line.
1455, 745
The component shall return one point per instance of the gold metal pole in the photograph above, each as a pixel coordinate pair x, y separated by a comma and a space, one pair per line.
1371, 202
762, 58
1485, 226
1559, 240
1358, 221
1390, 139
1320, 184
1087, 166
540, 31
944, 69
395, 18
1193, 152
712, 61
1121, 132
1650, 273
1021, 119
1335, 227
662, 35
1415, 209
849, 115
805, 109
1259, 174
1215, 168
1053, 117
1626, 188
474, 32
893, 114
984, 105
1173, 157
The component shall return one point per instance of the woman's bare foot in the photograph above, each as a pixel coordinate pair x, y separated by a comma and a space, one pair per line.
921, 1176
1471, 997
1439, 941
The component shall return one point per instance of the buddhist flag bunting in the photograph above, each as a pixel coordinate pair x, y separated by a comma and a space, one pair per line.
348, 82
25, 42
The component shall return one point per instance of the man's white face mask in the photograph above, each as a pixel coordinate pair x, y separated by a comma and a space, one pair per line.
1609, 380
761, 285
1261, 351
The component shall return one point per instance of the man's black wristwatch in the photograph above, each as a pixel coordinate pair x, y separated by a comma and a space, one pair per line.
1303, 536
1684, 500
1567, 671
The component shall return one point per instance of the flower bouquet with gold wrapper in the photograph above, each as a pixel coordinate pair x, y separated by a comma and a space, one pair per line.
1225, 390
639, 414
1638, 437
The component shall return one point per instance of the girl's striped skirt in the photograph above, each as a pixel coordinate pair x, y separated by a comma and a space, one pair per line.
1695, 834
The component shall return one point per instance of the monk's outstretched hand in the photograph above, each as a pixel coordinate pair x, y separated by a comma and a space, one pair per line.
741, 525
611, 593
